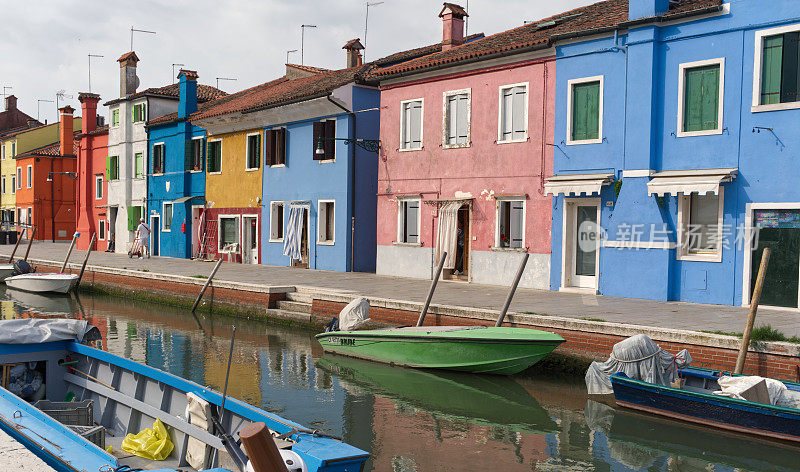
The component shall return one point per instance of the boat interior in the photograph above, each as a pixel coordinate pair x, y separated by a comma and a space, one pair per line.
705, 381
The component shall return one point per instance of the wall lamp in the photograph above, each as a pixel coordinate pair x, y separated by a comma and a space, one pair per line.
71, 175
371, 145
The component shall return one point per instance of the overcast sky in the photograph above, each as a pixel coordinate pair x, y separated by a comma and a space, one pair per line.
46, 42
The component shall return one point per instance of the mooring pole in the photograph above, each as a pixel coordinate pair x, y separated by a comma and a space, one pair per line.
208, 282
69, 252
433, 288
30, 243
85, 259
261, 448
751, 317
19, 238
513, 290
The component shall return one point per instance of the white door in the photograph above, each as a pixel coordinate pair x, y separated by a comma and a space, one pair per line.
250, 240
583, 242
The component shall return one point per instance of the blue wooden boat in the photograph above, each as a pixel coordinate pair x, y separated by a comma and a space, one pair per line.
128, 397
695, 403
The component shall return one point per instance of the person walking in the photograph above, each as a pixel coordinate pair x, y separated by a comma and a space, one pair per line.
143, 234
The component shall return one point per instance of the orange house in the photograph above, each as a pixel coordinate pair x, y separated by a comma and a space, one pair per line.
46, 184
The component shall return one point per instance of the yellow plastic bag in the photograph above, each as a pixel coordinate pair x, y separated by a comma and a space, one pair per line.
153, 444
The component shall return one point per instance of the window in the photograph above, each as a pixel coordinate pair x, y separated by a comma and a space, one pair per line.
700, 91
2, 151
700, 229
158, 160
214, 163
456, 119
408, 221
19, 178
135, 213
276, 221
115, 117
510, 228
3, 189
101, 229
166, 224
112, 167
194, 155
513, 122
29, 176
30, 216
139, 112
253, 151
98, 186
13, 148
411, 125
324, 134
325, 222
13, 184
585, 111
276, 147
228, 231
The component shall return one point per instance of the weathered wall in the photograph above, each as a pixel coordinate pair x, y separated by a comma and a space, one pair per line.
234, 187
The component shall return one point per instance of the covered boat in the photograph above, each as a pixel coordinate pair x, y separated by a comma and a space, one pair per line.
43, 282
6, 270
52, 364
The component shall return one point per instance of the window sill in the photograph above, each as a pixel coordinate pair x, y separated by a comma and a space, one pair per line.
252, 169
195, 171
775, 107
326, 161
508, 249
395, 243
276, 240
278, 165
511, 141
325, 243
700, 257
155, 174
411, 149
706, 132
166, 230
457, 146
215, 173
584, 141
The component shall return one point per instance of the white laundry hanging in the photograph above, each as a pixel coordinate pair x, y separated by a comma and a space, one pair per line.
447, 233
294, 233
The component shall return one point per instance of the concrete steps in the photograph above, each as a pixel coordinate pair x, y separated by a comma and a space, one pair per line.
294, 316
302, 297
299, 307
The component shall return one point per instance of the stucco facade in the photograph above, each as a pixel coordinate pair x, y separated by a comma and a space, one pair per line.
92, 185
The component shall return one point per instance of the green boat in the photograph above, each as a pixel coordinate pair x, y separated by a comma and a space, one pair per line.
478, 349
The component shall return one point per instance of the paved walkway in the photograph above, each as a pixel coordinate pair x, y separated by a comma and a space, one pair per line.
677, 315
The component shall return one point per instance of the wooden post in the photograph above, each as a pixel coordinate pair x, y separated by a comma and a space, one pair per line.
19, 238
208, 282
513, 290
433, 288
261, 449
69, 252
30, 243
85, 259
751, 318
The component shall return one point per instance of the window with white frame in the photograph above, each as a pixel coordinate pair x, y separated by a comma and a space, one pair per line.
30, 216
700, 97
13, 185
19, 178
139, 113
456, 119
513, 119
159, 160
98, 186
3, 185
276, 221
228, 231
700, 226
2, 151
166, 224
214, 156
408, 221
29, 172
13, 148
325, 222
194, 155
101, 229
510, 226
776, 81
253, 151
411, 125
585, 110
115, 117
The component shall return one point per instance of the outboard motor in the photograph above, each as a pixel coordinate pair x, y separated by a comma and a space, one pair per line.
333, 325
22, 267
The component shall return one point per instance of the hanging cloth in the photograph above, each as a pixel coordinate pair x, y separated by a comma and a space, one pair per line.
447, 233
294, 233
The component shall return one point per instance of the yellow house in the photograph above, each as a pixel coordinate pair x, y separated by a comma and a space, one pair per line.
15, 143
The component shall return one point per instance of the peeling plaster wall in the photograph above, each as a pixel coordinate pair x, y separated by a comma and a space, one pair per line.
499, 268
405, 261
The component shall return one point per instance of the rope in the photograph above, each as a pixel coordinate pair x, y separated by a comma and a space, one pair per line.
638, 360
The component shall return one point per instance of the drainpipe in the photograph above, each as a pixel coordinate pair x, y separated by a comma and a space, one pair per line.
352, 198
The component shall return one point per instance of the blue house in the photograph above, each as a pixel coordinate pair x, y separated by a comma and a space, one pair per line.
675, 158
176, 175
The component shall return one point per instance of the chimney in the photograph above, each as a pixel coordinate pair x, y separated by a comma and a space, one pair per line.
452, 16
638, 9
11, 103
187, 87
127, 74
353, 48
65, 131
88, 111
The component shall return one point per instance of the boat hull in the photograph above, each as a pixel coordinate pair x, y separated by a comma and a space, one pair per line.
6, 270
496, 351
727, 413
41, 283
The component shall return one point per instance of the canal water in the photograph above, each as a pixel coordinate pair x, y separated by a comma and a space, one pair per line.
409, 420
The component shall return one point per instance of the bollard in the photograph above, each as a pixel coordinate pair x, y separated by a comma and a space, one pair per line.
261, 449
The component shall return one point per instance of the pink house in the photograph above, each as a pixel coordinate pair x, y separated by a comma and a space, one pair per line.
466, 136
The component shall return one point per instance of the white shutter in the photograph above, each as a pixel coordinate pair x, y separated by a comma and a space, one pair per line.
506, 120
416, 124
411, 221
322, 221
519, 105
462, 124
516, 223
452, 119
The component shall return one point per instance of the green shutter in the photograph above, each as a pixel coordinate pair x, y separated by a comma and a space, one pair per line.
772, 62
108, 168
133, 217
188, 154
586, 111
701, 98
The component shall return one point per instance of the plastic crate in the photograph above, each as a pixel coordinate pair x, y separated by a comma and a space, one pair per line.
95, 434
69, 413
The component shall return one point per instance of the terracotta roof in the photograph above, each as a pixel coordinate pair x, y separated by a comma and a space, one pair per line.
99, 130
17, 131
128, 55
457, 10
173, 117
52, 150
316, 70
204, 93
190, 74
418, 52
605, 15
354, 44
13, 120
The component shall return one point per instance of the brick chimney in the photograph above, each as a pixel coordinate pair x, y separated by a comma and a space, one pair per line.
452, 16
353, 48
88, 111
11, 103
65, 139
128, 81
187, 88
638, 9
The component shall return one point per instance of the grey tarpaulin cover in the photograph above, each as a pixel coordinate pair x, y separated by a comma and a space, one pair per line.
355, 314
31, 331
640, 358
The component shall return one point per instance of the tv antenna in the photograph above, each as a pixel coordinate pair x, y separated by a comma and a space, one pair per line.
366, 24
39, 102
173, 70
302, 40
289, 52
225, 78
90, 69
134, 30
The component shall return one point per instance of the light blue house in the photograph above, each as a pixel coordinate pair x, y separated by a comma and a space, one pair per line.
176, 173
675, 130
